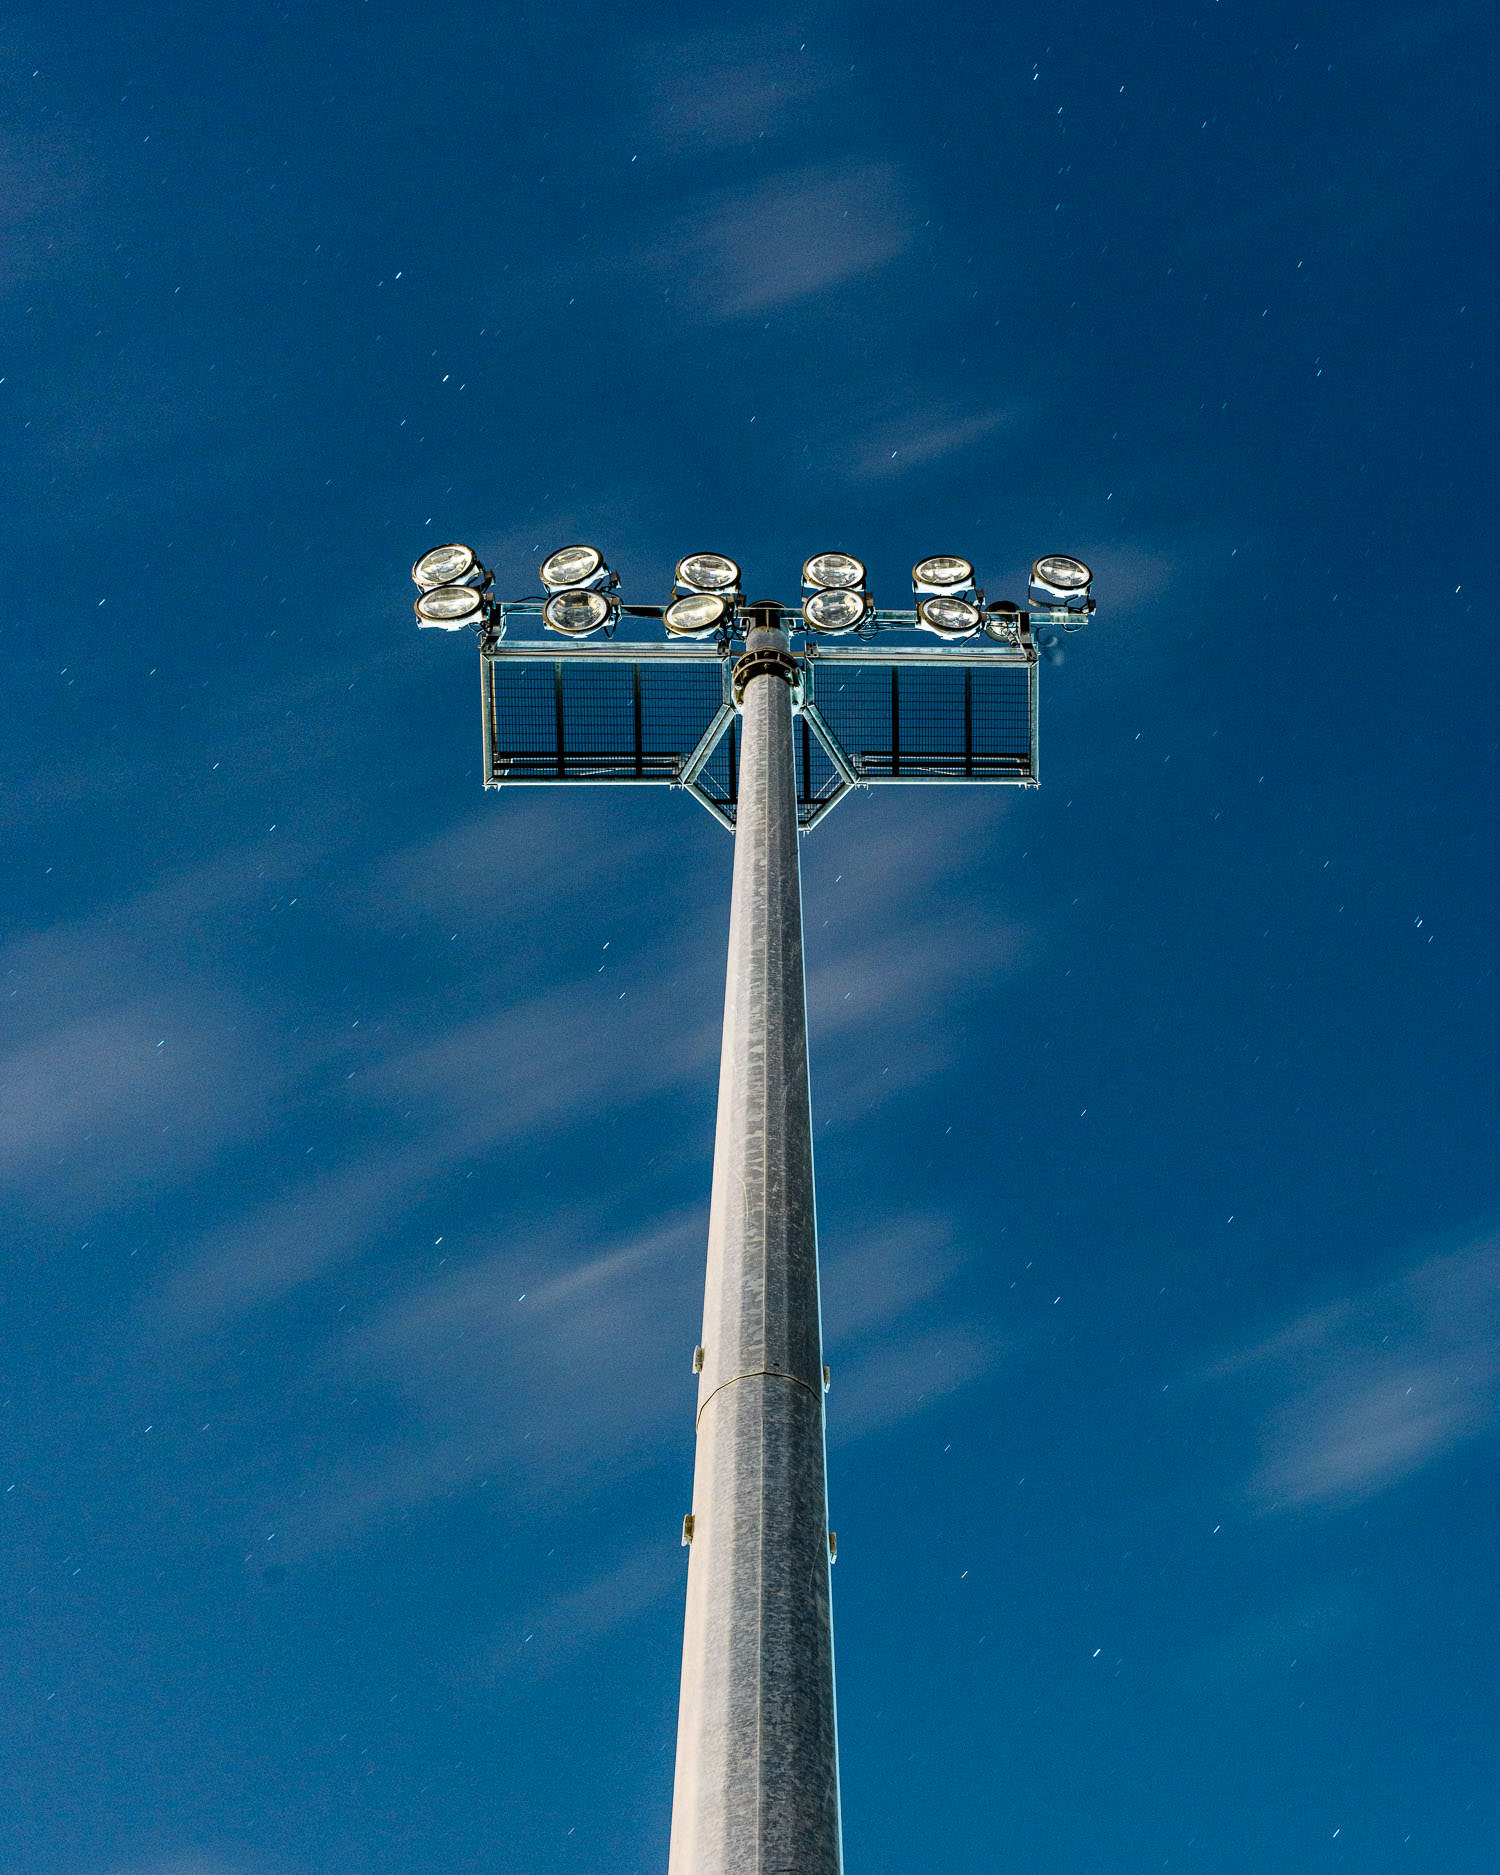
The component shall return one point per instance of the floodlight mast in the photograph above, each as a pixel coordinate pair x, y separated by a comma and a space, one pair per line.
757, 1789
757, 1757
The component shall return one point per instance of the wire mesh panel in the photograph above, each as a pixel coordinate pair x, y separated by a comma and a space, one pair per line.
922, 722
568, 719
585, 717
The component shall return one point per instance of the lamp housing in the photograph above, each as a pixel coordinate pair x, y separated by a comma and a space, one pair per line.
942, 573
947, 615
576, 569
451, 608
833, 610
825, 571
578, 612
697, 615
1059, 581
707, 572
450, 565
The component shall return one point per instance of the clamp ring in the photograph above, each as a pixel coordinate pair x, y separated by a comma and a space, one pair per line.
763, 664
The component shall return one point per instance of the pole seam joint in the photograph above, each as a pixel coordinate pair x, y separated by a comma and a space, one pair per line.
756, 1373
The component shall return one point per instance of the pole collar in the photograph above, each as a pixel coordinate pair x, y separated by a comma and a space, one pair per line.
763, 663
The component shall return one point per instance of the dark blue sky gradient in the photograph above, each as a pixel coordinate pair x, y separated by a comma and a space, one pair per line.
355, 1126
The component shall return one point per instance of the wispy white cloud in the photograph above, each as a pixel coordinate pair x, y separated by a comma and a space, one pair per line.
131, 1063
886, 1369
186, 1864
1365, 1392
800, 234
491, 859
1274, 1640
720, 86
891, 1382
263, 1256
921, 437
554, 1394
45, 203
1131, 577
883, 1276
538, 1367
548, 1636
909, 934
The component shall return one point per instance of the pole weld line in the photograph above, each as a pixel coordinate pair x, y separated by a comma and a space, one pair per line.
757, 1373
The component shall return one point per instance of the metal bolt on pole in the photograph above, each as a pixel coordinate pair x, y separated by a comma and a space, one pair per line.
757, 1759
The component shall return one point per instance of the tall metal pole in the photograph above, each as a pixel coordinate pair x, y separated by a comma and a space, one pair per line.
757, 1757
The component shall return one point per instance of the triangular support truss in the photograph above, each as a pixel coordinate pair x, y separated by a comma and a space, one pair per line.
816, 748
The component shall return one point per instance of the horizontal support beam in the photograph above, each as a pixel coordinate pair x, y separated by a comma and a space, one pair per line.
617, 651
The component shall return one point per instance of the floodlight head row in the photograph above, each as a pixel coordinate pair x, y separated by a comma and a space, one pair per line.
455, 592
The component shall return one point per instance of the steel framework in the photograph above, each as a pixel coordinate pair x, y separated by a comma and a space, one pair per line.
767, 733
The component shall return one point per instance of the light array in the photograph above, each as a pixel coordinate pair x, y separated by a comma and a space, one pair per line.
581, 594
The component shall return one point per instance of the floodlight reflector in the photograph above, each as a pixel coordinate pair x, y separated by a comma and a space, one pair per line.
1058, 580
1063, 572
572, 567
949, 616
450, 565
833, 570
835, 609
946, 571
577, 612
708, 572
696, 616
450, 608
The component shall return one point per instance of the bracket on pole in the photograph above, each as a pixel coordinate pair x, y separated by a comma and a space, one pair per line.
766, 663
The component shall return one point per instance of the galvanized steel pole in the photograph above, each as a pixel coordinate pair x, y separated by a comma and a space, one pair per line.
757, 1757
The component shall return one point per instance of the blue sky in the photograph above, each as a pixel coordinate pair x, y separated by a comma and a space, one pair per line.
357, 1124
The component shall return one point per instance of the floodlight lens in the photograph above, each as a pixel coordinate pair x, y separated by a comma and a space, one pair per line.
451, 606
576, 614
833, 569
952, 618
943, 569
835, 609
1062, 573
699, 613
708, 572
445, 566
571, 566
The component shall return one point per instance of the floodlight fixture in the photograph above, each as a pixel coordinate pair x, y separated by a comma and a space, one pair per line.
949, 616
1002, 620
450, 565
451, 608
1057, 579
708, 572
696, 615
942, 573
574, 568
825, 570
577, 612
835, 609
